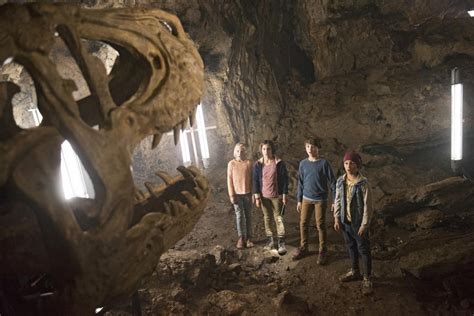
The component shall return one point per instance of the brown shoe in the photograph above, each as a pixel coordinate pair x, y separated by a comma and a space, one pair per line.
249, 244
300, 253
322, 258
240, 243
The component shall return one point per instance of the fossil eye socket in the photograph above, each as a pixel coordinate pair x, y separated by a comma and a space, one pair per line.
170, 27
157, 62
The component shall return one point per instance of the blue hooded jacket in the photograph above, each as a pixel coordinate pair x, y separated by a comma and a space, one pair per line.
282, 177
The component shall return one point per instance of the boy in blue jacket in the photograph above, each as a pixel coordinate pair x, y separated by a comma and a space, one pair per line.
352, 215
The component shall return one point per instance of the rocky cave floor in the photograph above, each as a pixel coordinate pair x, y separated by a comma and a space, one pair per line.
205, 274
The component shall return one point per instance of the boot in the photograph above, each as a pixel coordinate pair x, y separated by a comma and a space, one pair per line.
352, 275
367, 287
270, 244
240, 243
281, 246
300, 253
322, 258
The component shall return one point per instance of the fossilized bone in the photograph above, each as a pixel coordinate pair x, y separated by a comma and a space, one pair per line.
153, 87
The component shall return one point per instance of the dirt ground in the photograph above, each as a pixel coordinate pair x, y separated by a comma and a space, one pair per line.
205, 274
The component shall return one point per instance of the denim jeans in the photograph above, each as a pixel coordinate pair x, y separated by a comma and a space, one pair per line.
243, 215
357, 245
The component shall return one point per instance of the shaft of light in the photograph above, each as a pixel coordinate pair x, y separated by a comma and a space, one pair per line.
72, 176
183, 141
456, 121
202, 133
71, 173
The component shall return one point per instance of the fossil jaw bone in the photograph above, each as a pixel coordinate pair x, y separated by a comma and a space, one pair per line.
153, 88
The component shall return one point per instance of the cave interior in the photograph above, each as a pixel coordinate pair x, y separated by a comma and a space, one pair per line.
371, 75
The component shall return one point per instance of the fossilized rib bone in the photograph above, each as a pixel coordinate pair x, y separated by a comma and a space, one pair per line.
153, 87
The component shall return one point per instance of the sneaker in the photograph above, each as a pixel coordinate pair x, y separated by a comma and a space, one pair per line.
300, 253
240, 243
352, 275
367, 287
270, 244
322, 258
281, 247
249, 244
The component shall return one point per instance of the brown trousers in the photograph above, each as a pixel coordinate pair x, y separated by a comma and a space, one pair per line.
307, 210
271, 210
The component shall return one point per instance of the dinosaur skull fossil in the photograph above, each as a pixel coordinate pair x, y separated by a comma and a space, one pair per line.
96, 250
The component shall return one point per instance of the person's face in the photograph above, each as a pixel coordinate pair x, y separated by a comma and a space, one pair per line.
267, 151
351, 167
241, 153
311, 150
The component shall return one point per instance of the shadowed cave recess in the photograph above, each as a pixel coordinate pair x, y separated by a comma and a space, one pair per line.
369, 75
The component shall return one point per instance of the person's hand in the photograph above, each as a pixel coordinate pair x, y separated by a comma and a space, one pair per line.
258, 202
284, 199
298, 207
362, 230
337, 225
232, 199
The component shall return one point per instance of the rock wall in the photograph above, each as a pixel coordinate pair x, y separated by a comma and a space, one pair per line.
372, 75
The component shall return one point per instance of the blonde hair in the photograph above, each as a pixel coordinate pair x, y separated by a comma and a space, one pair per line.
238, 145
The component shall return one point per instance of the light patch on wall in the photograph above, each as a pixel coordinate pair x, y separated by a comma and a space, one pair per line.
183, 141
203, 144
202, 134
7, 61
75, 180
72, 175
456, 121
471, 13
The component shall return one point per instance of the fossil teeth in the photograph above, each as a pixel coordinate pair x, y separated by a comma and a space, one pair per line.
156, 140
176, 132
175, 207
165, 177
183, 125
168, 209
194, 170
161, 187
199, 193
192, 117
151, 188
155, 219
139, 195
192, 201
185, 172
202, 183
